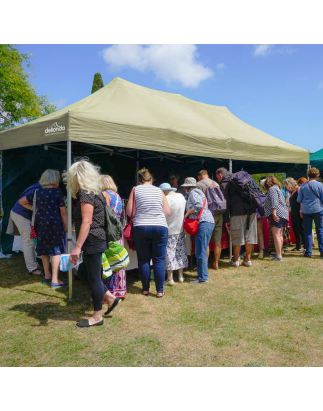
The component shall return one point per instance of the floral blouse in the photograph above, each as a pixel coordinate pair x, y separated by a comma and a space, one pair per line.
195, 202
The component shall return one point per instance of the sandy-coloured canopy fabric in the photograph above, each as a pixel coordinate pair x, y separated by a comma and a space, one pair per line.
316, 159
123, 114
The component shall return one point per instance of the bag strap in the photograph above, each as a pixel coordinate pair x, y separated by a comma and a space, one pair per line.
200, 213
308, 183
34, 209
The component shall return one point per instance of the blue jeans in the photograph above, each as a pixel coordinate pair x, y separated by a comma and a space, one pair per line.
308, 223
150, 242
202, 240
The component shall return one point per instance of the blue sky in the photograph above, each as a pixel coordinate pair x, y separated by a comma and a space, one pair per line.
276, 88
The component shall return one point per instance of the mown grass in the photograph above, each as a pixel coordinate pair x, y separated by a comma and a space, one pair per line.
267, 315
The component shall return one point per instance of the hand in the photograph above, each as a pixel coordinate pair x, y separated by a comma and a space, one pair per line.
301, 214
276, 218
75, 254
228, 227
186, 215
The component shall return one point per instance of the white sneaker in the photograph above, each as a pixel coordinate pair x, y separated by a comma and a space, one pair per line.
180, 279
171, 282
247, 263
234, 263
198, 282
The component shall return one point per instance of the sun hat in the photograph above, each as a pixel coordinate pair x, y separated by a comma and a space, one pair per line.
167, 187
189, 182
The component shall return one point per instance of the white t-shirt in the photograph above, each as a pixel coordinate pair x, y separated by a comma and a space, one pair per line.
177, 204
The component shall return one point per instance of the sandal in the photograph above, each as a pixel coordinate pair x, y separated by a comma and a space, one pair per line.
160, 296
41, 272
145, 293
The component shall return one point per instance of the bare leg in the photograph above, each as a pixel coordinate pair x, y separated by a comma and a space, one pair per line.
169, 275
45, 260
110, 298
217, 253
278, 240
208, 252
236, 252
248, 248
97, 316
180, 274
55, 269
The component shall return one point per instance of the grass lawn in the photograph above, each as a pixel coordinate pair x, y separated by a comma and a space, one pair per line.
267, 315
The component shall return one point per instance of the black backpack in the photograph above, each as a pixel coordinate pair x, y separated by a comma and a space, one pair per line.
113, 226
249, 191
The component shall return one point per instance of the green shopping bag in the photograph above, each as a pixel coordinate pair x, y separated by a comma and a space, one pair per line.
117, 256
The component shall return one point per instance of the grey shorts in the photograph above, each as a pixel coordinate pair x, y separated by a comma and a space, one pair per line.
239, 233
217, 232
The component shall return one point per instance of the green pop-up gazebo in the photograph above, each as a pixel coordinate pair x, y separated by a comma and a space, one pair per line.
133, 118
316, 159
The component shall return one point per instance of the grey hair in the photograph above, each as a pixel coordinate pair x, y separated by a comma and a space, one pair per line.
50, 178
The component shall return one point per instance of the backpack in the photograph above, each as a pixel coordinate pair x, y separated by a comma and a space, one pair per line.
216, 202
250, 192
113, 226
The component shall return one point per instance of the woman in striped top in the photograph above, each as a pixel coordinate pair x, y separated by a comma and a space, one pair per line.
276, 211
150, 230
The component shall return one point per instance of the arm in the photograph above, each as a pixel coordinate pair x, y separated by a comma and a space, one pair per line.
166, 208
188, 213
107, 197
25, 203
87, 215
64, 216
129, 205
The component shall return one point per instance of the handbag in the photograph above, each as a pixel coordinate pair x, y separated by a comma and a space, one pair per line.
33, 234
12, 228
191, 226
127, 234
117, 256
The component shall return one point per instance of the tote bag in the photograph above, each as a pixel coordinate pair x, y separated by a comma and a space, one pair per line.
191, 226
33, 235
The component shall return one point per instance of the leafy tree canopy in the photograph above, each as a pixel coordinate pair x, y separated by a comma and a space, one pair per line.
19, 102
97, 83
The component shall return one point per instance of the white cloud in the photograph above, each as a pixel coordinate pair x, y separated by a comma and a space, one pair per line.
220, 66
175, 64
320, 85
262, 49
61, 103
266, 49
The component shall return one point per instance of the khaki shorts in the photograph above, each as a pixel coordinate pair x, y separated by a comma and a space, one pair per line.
217, 232
239, 233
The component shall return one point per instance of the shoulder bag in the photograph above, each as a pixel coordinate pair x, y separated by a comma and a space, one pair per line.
33, 235
127, 234
191, 226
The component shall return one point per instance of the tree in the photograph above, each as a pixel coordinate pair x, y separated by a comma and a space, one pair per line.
97, 83
19, 102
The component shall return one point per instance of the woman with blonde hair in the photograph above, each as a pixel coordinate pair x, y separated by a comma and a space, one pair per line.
83, 179
117, 282
50, 224
277, 213
150, 229
297, 221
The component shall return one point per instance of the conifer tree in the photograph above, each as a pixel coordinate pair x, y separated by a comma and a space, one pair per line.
97, 83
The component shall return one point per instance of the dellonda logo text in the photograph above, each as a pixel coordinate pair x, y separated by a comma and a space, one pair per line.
54, 128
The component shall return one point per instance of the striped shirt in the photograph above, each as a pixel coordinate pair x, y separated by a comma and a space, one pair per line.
149, 206
275, 199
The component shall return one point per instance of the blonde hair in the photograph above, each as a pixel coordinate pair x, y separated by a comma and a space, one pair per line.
271, 181
83, 176
144, 175
107, 183
50, 178
290, 183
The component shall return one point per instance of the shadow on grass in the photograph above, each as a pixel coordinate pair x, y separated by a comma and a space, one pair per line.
43, 312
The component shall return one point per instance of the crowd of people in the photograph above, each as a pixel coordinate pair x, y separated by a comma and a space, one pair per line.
159, 217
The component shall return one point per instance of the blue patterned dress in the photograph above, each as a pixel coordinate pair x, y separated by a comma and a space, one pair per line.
49, 226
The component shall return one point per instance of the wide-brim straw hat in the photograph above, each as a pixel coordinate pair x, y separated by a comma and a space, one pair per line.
167, 187
189, 182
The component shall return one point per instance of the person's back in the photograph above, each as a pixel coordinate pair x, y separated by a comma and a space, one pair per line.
18, 209
149, 206
177, 205
311, 197
204, 183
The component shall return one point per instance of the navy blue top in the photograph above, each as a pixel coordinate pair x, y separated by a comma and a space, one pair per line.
311, 203
18, 209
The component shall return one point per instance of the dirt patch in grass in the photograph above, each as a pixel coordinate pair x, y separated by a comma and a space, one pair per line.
267, 315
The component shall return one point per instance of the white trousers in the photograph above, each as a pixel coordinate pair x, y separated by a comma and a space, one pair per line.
23, 225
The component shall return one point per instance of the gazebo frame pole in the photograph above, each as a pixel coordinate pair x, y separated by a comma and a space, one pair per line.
69, 217
230, 247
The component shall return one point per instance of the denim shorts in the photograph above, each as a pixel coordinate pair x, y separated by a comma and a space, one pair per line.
280, 224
